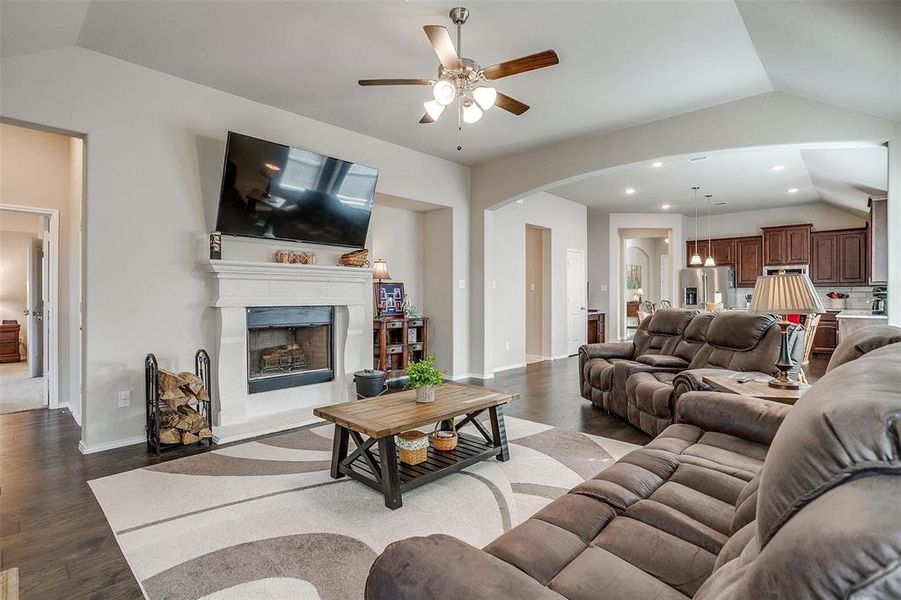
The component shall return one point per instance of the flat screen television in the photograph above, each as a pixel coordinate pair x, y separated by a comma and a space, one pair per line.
278, 192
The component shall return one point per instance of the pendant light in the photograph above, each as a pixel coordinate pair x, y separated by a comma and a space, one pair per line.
696, 258
709, 262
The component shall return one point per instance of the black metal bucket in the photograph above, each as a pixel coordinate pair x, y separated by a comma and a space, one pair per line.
370, 383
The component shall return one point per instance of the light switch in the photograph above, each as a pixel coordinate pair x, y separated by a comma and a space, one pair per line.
532, 287
462, 283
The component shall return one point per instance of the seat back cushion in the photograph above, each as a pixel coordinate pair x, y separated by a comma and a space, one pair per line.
858, 343
662, 331
740, 341
828, 516
694, 337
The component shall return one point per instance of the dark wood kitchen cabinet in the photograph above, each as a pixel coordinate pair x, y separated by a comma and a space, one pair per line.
838, 257
748, 260
690, 250
786, 245
826, 337
723, 251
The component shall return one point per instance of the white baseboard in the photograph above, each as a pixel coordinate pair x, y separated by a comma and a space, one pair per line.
559, 356
75, 414
91, 449
518, 365
473, 376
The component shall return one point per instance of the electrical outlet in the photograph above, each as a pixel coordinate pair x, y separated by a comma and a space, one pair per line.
507, 345
124, 398
604, 288
532, 287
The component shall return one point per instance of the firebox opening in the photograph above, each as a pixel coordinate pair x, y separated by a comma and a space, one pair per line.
288, 347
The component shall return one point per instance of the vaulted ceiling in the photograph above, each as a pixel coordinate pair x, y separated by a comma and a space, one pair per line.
622, 63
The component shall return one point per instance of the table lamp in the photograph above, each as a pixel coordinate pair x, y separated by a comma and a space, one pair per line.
637, 293
380, 273
785, 294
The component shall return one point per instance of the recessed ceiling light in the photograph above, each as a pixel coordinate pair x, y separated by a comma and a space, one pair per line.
657, 164
666, 207
793, 190
630, 191
777, 168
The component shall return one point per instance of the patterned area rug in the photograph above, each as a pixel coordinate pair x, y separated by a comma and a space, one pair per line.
264, 520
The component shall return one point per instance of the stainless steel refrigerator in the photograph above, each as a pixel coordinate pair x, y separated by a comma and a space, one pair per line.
703, 285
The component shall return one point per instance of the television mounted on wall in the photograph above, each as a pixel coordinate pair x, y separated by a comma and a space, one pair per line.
274, 191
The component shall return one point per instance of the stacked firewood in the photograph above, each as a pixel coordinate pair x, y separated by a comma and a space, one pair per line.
179, 422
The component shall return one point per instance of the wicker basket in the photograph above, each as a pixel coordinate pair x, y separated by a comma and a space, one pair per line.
357, 258
412, 447
445, 440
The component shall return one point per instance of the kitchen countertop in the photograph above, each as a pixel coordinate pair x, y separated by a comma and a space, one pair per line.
860, 314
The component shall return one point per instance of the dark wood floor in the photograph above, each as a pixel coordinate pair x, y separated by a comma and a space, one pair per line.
53, 530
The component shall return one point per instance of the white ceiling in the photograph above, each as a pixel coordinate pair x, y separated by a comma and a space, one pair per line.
622, 63
743, 179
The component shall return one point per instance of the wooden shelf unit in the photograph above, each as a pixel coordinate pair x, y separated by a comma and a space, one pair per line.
398, 341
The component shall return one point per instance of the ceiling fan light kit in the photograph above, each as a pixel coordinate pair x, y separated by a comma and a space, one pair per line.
463, 80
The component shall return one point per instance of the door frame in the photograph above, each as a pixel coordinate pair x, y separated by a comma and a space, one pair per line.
584, 308
51, 319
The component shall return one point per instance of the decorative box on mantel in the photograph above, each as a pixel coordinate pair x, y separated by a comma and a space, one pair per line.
240, 285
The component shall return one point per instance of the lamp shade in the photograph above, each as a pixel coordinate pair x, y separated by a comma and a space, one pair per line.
380, 270
784, 294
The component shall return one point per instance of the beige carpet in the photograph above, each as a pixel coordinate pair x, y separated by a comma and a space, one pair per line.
264, 520
18, 391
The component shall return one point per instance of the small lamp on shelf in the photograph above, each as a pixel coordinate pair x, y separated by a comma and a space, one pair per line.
637, 293
785, 294
380, 274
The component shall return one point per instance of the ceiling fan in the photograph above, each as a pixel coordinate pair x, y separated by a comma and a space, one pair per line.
463, 79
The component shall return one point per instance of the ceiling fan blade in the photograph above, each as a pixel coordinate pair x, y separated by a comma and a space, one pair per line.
539, 60
426, 118
510, 104
443, 46
395, 82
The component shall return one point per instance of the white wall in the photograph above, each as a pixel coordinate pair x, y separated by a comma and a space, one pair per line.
396, 235
567, 224
598, 260
41, 169
822, 215
154, 152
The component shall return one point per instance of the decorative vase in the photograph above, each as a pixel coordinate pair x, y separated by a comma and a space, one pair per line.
425, 393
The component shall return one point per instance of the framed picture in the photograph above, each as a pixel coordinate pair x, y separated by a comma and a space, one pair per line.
389, 299
633, 277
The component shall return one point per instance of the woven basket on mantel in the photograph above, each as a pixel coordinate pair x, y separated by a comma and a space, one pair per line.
357, 258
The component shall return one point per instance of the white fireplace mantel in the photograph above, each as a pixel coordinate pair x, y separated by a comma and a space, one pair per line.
237, 285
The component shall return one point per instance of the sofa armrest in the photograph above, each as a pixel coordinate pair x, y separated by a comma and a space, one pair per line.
693, 379
663, 361
742, 416
441, 567
607, 350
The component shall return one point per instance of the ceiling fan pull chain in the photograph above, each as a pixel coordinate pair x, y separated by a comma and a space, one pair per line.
459, 126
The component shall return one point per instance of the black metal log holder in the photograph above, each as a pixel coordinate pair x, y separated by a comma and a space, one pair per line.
155, 406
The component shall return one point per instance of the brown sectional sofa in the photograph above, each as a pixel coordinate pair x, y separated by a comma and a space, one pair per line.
740, 499
657, 335
644, 390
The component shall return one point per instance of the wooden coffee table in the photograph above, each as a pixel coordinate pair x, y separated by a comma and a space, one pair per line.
372, 424
755, 389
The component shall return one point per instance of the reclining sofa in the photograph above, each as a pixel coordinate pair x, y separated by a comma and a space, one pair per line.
643, 390
739, 499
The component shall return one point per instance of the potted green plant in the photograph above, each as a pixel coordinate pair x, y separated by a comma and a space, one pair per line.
424, 377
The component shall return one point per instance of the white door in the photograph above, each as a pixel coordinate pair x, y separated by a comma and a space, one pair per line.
576, 313
34, 308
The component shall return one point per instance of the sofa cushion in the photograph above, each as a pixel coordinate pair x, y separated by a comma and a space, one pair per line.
862, 341
827, 439
661, 332
739, 331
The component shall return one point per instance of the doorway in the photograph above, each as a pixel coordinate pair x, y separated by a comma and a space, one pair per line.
538, 289
30, 271
576, 301
646, 277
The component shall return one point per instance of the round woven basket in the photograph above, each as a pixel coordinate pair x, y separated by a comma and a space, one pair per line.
412, 447
445, 440
357, 258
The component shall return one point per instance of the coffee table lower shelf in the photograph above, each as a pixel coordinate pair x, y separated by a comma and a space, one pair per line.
470, 450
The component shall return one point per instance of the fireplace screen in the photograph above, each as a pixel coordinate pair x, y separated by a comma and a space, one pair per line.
288, 347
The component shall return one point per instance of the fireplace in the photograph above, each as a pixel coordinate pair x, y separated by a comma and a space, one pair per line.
289, 346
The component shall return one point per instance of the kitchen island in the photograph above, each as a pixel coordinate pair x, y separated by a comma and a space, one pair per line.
854, 319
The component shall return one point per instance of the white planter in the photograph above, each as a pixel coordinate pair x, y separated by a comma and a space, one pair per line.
425, 394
